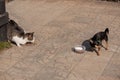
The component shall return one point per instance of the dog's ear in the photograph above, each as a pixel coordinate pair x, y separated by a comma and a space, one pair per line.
90, 40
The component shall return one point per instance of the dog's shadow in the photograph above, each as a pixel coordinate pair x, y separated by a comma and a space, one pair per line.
87, 45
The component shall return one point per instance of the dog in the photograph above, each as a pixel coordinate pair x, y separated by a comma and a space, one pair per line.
97, 39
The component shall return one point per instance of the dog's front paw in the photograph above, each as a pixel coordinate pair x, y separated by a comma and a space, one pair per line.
106, 48
98, 54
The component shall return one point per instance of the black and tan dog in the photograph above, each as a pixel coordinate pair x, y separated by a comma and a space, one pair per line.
96, 41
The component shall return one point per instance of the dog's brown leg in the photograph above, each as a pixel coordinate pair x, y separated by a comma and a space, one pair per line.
98, 53
99, 47
106, 45
97, 50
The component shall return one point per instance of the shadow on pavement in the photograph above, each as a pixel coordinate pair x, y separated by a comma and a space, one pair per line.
87, 45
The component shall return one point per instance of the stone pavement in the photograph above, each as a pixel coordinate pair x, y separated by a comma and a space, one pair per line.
60, 25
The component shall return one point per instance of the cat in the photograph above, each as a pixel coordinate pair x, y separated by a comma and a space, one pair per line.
17, 35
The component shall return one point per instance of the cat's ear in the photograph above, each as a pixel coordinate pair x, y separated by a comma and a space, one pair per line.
29, 36
33, 33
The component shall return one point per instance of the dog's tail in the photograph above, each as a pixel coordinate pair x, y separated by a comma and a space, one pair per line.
107, 31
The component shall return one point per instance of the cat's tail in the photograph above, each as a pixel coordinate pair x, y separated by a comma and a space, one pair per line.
12, 22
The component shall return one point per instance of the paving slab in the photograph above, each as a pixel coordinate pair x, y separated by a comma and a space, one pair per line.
59, 25
112, 70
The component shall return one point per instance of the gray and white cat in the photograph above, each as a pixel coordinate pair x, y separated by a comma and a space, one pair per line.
17, 35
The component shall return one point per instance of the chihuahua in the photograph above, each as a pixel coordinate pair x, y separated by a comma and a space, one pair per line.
96, 41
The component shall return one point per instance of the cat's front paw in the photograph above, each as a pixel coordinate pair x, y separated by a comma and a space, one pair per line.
18, 45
